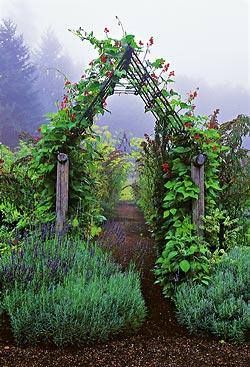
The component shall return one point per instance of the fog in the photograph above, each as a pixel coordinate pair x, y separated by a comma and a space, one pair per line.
206, 43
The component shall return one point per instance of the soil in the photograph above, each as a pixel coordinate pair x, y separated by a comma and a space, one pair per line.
161, 342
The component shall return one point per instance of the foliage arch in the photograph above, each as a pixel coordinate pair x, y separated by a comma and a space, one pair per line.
70, 129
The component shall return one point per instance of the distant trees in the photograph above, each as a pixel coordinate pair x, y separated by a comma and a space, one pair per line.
53, 65
19, 103
30, 85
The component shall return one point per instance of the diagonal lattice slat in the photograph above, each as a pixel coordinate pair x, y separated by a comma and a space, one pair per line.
139, 82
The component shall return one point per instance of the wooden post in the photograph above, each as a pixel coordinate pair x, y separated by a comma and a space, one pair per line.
62, 191
198, 206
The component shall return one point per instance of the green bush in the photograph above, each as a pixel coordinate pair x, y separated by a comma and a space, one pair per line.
185, 256
222, 307
67, 292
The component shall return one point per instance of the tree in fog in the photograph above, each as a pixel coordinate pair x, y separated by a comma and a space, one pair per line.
53, 65
19, 104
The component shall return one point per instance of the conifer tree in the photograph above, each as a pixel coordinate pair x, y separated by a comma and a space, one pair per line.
53, 66
19, 103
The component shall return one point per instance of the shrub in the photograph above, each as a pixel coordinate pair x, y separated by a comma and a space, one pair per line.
185, 256
67, 292
234, 198
221, 307
236, 187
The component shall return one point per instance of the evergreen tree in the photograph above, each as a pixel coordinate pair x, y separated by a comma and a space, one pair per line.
19, 104
53, 66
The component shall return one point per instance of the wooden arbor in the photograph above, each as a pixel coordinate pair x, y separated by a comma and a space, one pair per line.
140, 82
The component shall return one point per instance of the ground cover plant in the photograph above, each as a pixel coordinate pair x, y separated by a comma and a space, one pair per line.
66, 292
222, 307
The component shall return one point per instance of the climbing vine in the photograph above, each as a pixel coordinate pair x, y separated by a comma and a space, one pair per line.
167, 192
71, 133
70, 129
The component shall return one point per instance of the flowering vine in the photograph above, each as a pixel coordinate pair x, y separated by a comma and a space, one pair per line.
69, 130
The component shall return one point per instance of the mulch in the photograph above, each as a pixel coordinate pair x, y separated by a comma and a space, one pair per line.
161, 342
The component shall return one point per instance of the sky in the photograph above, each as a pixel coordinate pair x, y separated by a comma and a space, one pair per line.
205, 41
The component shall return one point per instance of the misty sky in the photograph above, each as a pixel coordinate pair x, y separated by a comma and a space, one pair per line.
206, 41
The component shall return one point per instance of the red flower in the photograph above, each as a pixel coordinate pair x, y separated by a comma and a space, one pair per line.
36, 139
171, 74
214, 148
213, 123
154, 76
67, 82
197, 136
165, 167
151, 41
106, 30
64, 102
165, 68
73, 117
104, 58
109, 74
141, 43
192, 96
188, 124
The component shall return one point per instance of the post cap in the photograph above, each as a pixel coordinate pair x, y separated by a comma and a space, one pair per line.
200, 159
62, 157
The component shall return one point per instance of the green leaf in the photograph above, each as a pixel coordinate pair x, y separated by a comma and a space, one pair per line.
182, 149
172, 254
75, 222
170, 196
169, 185
173, 211
129, 39
192, 249
185, 265
158, 63
166, 213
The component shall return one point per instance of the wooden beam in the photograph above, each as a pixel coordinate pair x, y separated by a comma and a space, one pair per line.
198, 206
62, 191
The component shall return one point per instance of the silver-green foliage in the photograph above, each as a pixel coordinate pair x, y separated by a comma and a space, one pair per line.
68, 293
222, 307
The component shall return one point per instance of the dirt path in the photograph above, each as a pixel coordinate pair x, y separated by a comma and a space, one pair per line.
159, 343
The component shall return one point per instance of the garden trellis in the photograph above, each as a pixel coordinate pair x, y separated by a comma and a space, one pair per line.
140, 82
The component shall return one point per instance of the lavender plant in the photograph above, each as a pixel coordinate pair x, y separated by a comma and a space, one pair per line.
221, 308
66, 291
